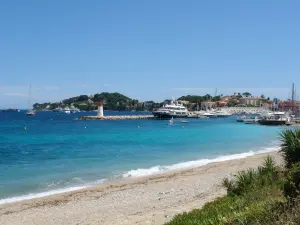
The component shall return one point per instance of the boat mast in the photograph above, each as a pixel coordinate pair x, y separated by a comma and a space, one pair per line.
293, 97
29, 97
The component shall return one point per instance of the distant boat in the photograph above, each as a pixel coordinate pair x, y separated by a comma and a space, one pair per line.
241, 119
183, 121
174, 109
73, 109
58, 109
250, 120
30, 112
209, 114
171, 121
67, 110
274, 118
10, 110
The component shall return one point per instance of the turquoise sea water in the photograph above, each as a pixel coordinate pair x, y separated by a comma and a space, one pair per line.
57, 153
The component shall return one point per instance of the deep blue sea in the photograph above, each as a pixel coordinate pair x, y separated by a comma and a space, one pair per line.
52, 153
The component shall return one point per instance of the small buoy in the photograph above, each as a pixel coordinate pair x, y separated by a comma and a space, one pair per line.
84, 127
25, 128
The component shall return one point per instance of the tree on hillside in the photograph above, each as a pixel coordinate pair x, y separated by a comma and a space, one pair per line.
239, 95
232, 103
246, 94
216, 98
207, 97
83, 98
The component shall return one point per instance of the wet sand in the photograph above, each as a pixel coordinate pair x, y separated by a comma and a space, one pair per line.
148, 200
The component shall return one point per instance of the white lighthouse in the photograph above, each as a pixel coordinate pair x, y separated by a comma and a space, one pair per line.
100, 109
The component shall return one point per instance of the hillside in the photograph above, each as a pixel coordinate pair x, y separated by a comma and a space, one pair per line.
111, 101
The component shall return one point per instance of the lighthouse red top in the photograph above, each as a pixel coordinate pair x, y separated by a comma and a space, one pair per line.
99, 103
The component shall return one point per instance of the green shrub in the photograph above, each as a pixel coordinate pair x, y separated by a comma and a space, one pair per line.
248, 208
251, 198
292, 181
267, 174
290, 146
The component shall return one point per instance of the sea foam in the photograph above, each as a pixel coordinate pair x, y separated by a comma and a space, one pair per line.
39, 195
143, 172
51, 192
192, 164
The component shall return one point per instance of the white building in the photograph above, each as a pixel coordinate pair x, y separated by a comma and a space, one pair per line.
253, 101
207, 105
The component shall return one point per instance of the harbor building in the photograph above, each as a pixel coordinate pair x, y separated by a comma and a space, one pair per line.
208, 105
252, 101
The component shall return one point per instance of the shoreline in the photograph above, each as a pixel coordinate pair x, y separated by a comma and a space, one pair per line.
136, 174
153, 199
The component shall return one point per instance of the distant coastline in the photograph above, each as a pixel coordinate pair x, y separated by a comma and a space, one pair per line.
119, 102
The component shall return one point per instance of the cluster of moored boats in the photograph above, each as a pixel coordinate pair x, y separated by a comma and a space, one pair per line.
269, 118
32, 112
66, 110
177, 110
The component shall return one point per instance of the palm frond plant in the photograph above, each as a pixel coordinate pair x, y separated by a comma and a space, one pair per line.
290, 146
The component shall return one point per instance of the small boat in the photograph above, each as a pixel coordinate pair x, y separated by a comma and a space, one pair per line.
67, 110
183, 121
241, 119
30, 112
171, 121
73, 109
58, 109
222, 113
250, 121
209, 114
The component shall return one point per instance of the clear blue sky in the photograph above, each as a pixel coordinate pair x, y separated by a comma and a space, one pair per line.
147, 49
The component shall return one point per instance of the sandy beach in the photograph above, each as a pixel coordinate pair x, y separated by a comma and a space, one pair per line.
148, 200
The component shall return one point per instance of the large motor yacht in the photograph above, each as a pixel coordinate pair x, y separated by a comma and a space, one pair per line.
174, 110
274, 118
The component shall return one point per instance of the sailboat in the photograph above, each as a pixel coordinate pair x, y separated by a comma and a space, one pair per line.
30, 112
171, 121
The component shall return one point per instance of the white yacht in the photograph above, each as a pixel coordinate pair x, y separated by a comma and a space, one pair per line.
67, 110
222, 113
174, 110
30, 113
274, 118
210, 114
58, 109
73, 109
251, 120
